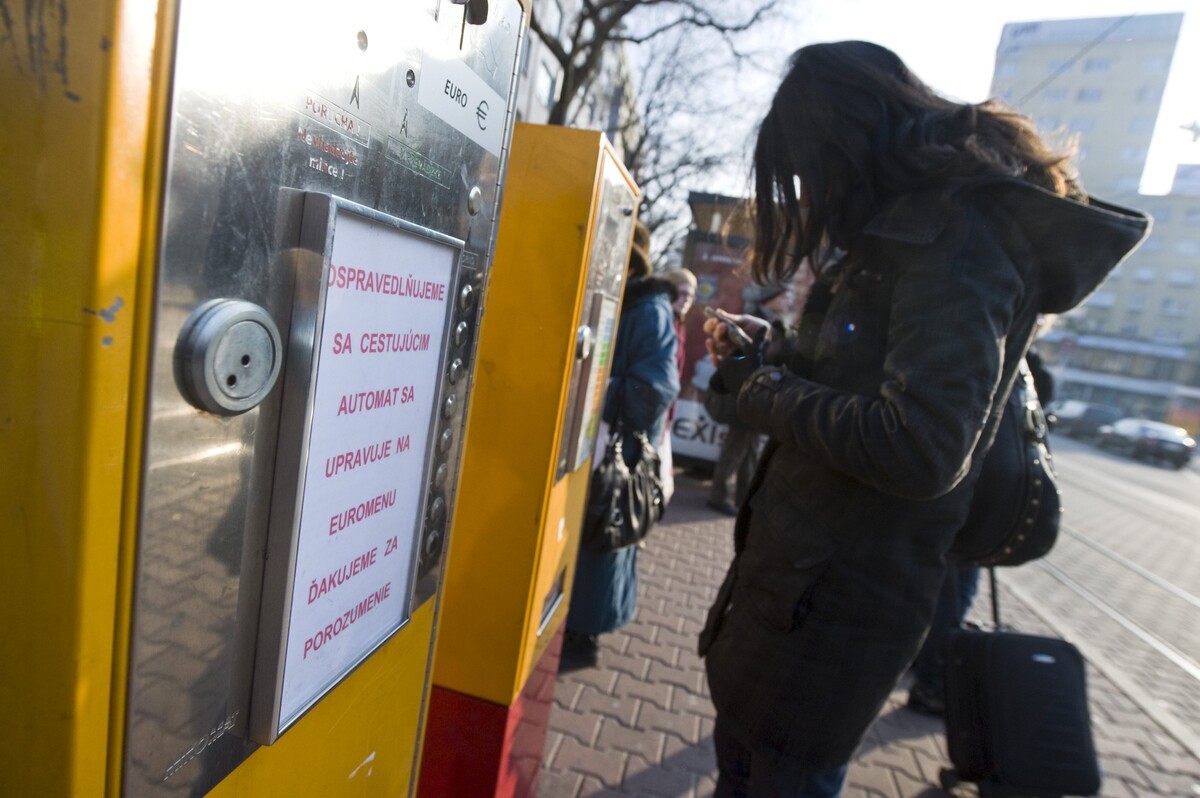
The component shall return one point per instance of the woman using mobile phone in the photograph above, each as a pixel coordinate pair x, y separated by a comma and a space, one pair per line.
937, 231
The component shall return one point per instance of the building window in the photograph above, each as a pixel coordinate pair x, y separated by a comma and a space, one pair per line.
1057, 66
1151, 244
1082, 124
1048, 124
1089, 95
1129, 330
1136, 303
552, 20
1158, 65
1167, 335
1054, 95
1187, 246
1134, 154
1127, 184
1150, 94
1161, 214
1181, 279
1097, 64
1144, 275
1102, 299
1115, 274
1007, 69
1192, 216
547, 85
1141, 124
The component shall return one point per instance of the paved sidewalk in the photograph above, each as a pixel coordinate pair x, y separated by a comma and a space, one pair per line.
641, 723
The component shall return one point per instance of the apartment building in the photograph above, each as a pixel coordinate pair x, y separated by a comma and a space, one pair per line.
1136, 342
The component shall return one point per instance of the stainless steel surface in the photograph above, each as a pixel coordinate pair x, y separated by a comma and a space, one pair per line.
270, 96
605, 280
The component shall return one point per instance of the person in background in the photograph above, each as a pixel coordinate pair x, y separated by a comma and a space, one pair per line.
742, 445
685, 295
684, 284
643, 383
938, 231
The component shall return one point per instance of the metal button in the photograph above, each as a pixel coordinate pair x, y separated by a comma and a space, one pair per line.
455, 373
433, 542
460, 333
446, 441
441, 474
449, 407
466, 297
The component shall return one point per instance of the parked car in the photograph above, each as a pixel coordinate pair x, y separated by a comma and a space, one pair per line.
1149, 440
1079, 419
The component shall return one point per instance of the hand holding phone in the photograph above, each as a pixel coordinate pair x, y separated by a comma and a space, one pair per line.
733, 331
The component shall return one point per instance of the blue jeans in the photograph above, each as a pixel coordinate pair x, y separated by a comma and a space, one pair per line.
959, 586
746, 775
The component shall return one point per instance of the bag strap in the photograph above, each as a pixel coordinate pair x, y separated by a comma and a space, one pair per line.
995, 597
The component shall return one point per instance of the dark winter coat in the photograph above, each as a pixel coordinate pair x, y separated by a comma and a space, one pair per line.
890, 396
643, 382
644, 378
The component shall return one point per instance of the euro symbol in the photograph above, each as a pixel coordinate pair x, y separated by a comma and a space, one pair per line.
481, 114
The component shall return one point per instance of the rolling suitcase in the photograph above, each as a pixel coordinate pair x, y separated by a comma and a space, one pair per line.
1017, 720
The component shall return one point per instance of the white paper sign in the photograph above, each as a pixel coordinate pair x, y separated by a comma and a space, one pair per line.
375, 382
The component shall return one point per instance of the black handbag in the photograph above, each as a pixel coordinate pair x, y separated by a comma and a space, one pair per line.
624, 501
1016, 508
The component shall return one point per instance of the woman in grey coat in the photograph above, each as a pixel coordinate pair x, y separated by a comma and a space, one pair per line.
938, 231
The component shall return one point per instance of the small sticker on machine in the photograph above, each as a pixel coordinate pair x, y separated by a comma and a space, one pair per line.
460, 98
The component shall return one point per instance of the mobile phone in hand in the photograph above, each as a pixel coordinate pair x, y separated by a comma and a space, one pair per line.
736, 334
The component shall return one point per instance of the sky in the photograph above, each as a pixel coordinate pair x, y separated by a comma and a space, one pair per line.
951, 45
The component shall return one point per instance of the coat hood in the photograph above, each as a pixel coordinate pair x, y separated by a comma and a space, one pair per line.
639, 288
1072, 244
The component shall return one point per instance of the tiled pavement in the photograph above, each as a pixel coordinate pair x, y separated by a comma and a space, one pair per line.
641, 722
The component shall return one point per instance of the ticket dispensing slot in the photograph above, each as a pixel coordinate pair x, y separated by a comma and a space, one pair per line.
363, 407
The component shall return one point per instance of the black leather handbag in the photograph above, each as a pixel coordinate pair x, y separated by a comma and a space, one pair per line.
1017, 506
624, 501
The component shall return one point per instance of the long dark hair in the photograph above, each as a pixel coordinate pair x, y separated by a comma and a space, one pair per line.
856, 129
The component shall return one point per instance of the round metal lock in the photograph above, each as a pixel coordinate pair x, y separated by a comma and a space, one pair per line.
466, 297
446, 440
474, 201
460, 333
440, 475
228, 356
449, 407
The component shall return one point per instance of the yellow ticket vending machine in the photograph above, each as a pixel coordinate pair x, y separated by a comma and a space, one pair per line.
544, 352
247, 247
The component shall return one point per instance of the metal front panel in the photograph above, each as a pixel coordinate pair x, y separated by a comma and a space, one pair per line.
398, 107
611, 236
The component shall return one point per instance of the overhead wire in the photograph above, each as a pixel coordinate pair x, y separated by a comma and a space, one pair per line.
1070, 62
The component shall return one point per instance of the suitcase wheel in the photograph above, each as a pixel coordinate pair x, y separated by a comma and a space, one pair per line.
948, 778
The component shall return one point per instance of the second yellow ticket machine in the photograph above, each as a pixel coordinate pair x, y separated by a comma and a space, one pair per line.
545, 348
